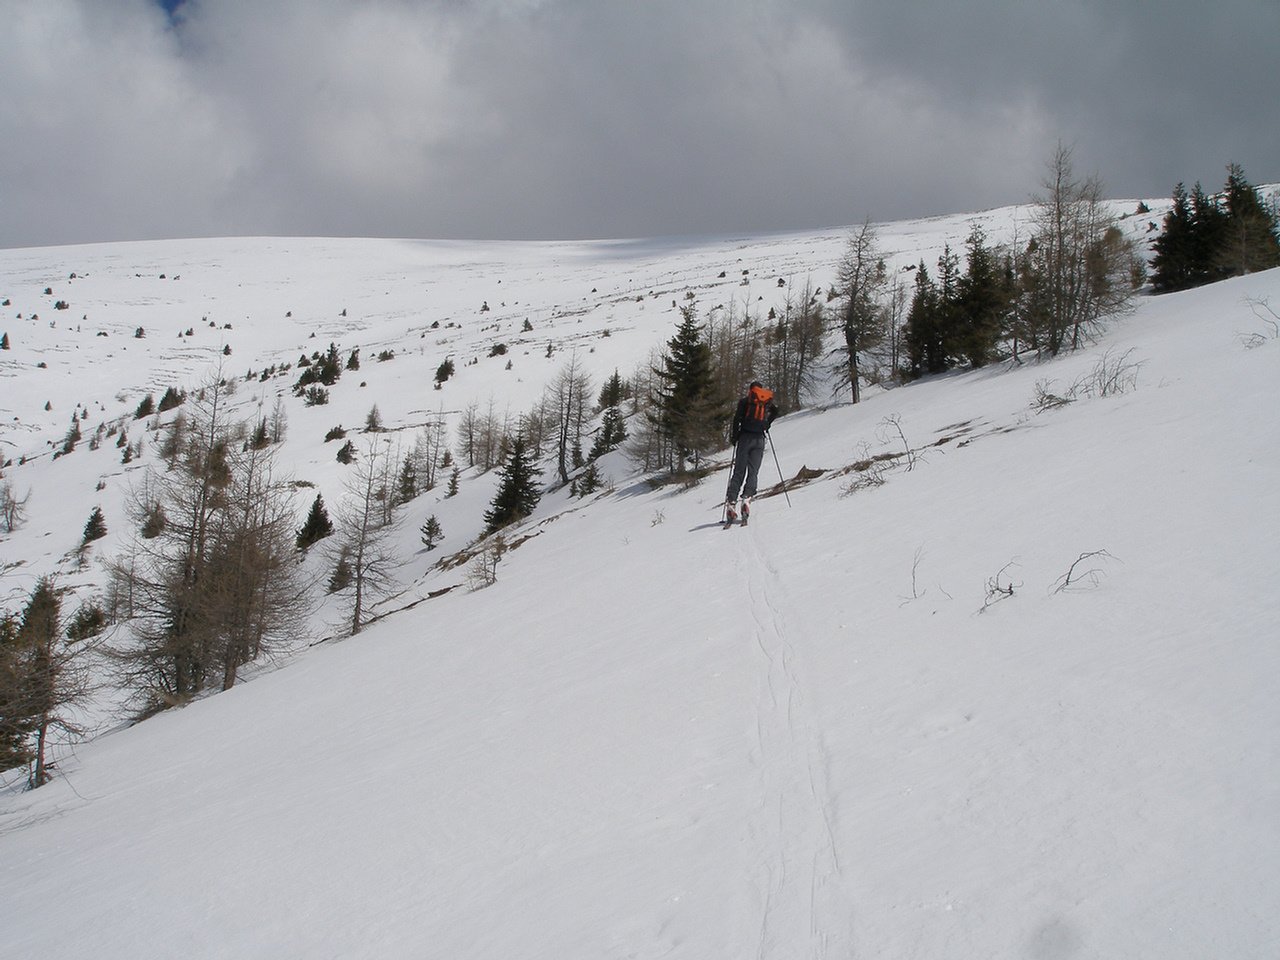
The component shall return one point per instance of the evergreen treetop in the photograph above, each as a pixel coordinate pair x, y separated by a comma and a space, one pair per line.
611, 433
432, 533
613, 392
317, 525
983, 298
926, 351
96, 527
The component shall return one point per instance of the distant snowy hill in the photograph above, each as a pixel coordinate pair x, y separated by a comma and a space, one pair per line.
1018, 699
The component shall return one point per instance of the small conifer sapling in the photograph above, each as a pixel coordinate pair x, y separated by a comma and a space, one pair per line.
95, 528
432, 533
317, 525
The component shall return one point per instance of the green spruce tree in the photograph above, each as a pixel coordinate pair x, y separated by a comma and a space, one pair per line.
613, 392
982, 303
407, 487
1173, 261
16, 723
691, 409
1208, 237
925, 334
95, 528
611, 433
1249, 239
260, 439
317, 525
589, 482
432, 532
172, 398
48, 679
517, 490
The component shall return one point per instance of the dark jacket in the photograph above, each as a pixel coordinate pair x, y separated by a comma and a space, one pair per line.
756, 412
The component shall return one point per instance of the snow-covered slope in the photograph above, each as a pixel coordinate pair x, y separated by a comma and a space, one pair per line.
233, 307
827, 734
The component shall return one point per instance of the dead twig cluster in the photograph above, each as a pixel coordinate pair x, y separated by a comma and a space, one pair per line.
890, 427
1000, 587
483, 571
1046, 400
1112, 375
868, 471
916, 592
1080, 573
1261, 308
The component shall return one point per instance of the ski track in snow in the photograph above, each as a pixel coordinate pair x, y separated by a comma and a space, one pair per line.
804, 904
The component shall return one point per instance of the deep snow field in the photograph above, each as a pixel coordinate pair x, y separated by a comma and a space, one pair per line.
823, 735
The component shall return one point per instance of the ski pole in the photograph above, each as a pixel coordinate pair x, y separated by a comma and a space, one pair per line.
781, 478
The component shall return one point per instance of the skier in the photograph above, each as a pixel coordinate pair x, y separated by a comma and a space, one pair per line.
751, 421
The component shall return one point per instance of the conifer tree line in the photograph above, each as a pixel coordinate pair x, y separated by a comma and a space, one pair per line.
1208, 238
1048, 294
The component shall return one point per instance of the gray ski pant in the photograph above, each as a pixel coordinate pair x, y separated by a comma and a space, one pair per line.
746, 465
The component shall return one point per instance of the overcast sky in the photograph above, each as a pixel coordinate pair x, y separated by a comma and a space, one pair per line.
575, 119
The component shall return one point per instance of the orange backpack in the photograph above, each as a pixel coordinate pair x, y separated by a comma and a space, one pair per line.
758, 400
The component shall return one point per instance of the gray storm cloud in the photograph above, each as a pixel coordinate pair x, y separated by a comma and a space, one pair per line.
600, 118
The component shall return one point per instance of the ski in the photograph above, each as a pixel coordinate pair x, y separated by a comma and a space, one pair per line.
733, 519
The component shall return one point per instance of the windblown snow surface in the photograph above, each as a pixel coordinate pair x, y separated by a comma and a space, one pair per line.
878, 722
